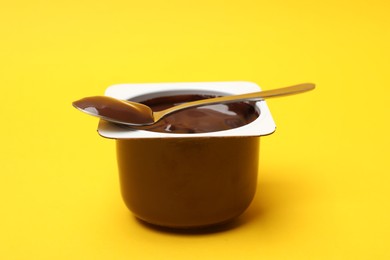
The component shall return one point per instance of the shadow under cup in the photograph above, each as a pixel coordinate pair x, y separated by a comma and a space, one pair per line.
186, 180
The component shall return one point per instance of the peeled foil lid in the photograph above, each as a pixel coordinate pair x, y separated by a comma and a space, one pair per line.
263, 125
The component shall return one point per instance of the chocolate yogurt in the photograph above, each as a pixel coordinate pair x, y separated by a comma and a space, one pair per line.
197, 167
203, 119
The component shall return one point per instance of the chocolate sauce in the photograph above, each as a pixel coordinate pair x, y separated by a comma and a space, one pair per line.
202, 119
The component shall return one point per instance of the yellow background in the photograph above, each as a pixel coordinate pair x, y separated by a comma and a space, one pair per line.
323, 190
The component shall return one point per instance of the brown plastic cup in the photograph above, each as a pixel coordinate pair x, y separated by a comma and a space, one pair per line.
188, 180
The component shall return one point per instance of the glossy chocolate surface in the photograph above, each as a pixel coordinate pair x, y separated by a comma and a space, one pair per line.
202, 119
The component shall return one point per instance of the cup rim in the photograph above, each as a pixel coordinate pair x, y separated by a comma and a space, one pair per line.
261, 126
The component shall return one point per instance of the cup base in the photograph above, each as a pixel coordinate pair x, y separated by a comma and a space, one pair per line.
208, 228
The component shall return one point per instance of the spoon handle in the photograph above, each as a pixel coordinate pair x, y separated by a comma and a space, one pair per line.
255, 96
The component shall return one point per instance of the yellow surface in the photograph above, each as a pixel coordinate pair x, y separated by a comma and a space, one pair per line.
323, 185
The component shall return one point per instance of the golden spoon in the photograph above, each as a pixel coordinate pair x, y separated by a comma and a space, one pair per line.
136, 114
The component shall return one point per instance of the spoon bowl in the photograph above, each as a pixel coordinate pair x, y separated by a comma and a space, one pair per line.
138, 115
116, 110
